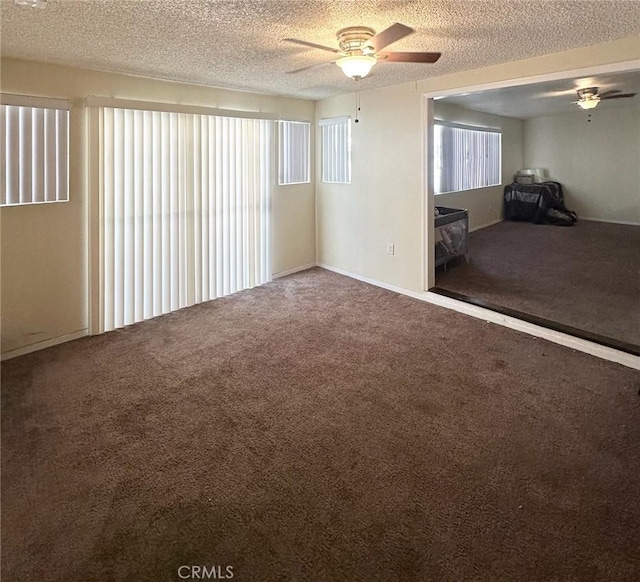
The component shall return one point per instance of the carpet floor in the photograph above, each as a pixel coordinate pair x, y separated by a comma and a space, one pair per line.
586, 276
319, 428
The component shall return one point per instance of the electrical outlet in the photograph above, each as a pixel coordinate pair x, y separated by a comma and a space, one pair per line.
391, 249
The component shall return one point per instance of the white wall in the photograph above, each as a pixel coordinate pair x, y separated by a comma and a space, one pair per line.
44, 270
597, 161
484, 204
385, 202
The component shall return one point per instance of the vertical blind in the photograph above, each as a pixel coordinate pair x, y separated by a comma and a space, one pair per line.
336, 150
466, 158
34, 152
294, 152
185, 210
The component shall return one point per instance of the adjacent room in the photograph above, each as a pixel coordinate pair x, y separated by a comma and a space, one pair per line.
579, 275
230, 346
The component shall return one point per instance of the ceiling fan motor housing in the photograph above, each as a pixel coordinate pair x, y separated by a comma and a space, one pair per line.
353, 40
588, 93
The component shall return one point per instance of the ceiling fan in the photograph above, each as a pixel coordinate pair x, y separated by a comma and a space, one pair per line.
589, 98
360, 48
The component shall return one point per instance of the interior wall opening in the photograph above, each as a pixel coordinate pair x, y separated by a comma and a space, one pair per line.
515, 247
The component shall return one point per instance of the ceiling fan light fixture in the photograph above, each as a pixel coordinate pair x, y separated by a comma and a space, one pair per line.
588, 102
356, 66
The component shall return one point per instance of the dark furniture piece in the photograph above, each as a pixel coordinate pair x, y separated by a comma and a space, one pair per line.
531, 202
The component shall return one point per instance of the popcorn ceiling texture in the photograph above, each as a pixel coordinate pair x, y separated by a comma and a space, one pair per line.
237, 43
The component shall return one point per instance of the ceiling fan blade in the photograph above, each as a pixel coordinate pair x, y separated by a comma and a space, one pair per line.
409, 57
309, 67
311, 45
389, 35
620, 96
606, 94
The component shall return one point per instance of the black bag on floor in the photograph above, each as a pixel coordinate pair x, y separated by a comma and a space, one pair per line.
557, 212
561, 217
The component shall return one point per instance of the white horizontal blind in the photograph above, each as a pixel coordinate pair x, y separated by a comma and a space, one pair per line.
185, 210
466, 158
336, 150
294, 152
34, 152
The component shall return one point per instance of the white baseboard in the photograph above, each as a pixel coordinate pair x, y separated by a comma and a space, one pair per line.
551, 335
292, 271
388, 286
591, 219
44, 344
486, 225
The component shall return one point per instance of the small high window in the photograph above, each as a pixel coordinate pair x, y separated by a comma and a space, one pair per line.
336, 150
294, 152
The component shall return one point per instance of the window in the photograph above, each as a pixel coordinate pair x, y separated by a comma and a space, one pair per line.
465, 157
336, 150
34, 150
294, 159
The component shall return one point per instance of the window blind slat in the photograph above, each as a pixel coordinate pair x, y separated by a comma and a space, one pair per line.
128, 211
3, 156
235, 130
147, 211
12, 164
50, 178
26, 194
138, 220
108, 152
157, 209
62, 166
212, 176
194, 236
37, 154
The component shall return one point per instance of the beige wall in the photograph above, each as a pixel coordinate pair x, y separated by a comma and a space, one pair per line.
357, 221
484, 204
45, 248
597, 161
385, 202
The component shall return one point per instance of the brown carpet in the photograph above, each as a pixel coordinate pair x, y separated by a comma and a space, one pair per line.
586, 276
318, 428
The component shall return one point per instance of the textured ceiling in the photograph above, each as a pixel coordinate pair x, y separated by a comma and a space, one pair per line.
237, 43
549, 98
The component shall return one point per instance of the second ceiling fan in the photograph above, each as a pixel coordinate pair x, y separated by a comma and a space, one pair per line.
589, 97
360, 48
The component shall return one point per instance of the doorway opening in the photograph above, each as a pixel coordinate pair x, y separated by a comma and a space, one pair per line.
581, 280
